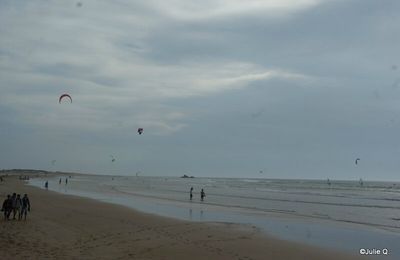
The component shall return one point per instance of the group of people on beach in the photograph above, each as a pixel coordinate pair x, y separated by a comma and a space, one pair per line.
202, 194
16, 205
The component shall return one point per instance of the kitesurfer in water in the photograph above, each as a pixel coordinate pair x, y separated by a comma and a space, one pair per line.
202, 194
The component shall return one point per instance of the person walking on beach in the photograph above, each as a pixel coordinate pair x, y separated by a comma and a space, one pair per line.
13, 205
26, 206
18, 205
9, 207
6, 206
46, 185
202, 194
191, 193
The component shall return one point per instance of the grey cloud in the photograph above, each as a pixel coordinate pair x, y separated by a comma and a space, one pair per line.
221, 93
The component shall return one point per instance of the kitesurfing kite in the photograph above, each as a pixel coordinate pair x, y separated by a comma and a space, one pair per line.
140, 130
112, 158
357, 160
64, 96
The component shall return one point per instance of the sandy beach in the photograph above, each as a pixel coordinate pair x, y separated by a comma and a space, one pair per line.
70, 227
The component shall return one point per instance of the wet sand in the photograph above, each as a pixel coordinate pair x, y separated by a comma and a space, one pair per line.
70, 227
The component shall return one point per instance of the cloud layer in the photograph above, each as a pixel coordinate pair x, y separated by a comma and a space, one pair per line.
235, 85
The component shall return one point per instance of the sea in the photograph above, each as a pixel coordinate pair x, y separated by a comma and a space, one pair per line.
348, 216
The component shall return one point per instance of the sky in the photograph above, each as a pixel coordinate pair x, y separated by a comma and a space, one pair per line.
223, 88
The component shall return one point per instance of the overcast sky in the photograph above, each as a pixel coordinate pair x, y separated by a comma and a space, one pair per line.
292, 88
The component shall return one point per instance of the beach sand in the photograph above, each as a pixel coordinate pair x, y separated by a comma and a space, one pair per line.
70, 227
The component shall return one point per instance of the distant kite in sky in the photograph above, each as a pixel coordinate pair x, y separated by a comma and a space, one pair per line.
64, 96
112, 158
357, 160
140, 130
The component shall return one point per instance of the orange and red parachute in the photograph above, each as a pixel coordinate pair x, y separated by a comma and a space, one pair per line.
64, 96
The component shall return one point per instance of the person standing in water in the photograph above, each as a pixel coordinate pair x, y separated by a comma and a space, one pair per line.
202, 194
191, 193
59, 182
66, 181
46, 185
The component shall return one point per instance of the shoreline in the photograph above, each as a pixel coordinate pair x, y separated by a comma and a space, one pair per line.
320, 232
64, 227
